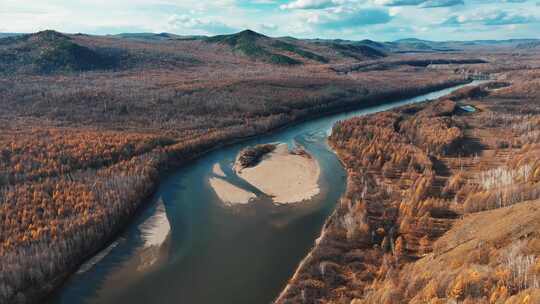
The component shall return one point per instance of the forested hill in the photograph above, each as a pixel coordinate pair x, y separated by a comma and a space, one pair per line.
50, 52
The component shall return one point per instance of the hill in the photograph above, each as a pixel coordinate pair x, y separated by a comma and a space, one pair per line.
155, 37
412, 45
528, 45
485, 254
260, 47
359, 51
50, 52
289, 51
5, 35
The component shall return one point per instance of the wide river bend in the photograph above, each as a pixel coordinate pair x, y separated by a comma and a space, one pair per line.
186, 247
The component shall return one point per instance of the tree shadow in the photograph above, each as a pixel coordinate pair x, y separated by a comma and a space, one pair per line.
470, 146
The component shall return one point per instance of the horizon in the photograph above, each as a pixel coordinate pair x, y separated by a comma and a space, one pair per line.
270, 36
379, 20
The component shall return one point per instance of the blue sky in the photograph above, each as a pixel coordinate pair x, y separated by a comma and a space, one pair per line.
346, 19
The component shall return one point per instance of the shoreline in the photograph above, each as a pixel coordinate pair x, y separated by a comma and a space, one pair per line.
282, 297
323, 234
230, 194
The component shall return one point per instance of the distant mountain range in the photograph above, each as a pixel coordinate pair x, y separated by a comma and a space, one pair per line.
166, 36
4, 35
53, 52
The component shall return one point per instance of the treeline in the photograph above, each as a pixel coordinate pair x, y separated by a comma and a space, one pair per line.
251, 156
39, 154
151, 104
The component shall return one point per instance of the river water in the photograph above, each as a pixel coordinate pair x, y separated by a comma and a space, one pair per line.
187, 247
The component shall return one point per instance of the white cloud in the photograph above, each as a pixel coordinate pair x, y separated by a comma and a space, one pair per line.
441, 3
268, 27
491, 18
347, 17
394, 11
208, 26
420, 3
312, 4
398, 2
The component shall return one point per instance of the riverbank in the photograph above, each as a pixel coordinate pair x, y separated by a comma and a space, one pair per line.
413, 173
351, 233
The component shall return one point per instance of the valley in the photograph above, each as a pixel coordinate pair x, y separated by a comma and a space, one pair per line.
94, 126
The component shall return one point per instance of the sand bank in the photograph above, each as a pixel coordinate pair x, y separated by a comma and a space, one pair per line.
216, 169
229, 193
154, 233
285, 176
156, 228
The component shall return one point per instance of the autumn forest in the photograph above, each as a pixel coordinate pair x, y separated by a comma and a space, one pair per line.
89, 124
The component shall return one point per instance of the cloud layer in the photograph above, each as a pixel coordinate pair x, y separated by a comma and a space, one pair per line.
490, 18
346, 19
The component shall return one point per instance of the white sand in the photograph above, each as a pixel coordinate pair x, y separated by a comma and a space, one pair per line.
155, 229
154, 232
229, 193
216, 169
289, 178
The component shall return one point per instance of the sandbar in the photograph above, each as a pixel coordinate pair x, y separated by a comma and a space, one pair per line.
287, 177
216, 169
229, 193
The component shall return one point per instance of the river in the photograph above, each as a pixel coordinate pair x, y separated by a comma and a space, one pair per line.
187, 247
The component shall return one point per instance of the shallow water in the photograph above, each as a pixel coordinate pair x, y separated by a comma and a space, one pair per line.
212, 253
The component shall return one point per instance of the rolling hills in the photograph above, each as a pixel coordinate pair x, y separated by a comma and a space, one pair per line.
52, 52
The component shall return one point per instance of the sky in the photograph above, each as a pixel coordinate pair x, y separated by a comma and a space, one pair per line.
382, 20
